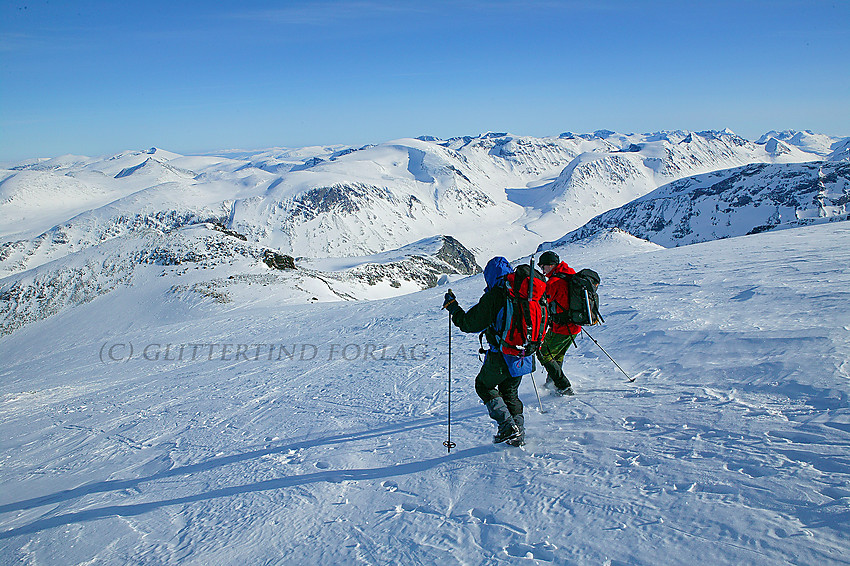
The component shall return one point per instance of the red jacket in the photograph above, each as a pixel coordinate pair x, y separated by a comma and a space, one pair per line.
557, 292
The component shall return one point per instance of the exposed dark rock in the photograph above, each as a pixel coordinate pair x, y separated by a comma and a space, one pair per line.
233, 233
456, 255
278, 261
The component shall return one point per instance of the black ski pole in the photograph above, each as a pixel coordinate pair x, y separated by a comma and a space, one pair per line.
528, 331
531, 375
631, 379
448, 443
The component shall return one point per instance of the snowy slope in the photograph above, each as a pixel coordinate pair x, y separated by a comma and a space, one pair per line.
37, 197
806, 140
256, 432
208, 261
281, 160
732, 202
841, 151
598, 181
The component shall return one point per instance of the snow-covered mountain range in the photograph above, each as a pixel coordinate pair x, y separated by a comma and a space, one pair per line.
731, 202
73, 227
327, 202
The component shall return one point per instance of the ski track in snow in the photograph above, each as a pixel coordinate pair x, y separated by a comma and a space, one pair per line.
731, 447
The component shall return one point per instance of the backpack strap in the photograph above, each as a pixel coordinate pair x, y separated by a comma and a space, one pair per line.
521, 308
481, 348
494, 332
566, 277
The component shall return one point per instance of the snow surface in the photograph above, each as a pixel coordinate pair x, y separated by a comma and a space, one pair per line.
270, 433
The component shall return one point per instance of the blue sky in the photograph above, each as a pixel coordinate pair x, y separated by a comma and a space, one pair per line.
96, 77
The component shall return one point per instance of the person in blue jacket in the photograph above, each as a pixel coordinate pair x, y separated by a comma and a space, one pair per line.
494, 384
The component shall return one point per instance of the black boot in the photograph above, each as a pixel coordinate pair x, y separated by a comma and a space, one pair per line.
566, 391
556, 379
519, 420
499, 412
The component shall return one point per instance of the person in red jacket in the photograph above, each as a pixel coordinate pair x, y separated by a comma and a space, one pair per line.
560, 336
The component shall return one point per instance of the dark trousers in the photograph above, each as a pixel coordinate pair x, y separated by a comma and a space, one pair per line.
551, 355
493, 380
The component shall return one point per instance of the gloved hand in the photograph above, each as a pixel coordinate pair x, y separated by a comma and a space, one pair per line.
450, 303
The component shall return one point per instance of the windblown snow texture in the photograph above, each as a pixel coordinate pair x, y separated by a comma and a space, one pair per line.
266, 433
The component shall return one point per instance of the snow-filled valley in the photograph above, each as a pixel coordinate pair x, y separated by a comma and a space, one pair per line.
241, 358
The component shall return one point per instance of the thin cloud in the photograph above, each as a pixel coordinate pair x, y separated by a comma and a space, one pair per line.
10, 42
324, 13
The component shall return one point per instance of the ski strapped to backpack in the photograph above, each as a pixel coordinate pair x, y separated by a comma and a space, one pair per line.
583, 309
521, 323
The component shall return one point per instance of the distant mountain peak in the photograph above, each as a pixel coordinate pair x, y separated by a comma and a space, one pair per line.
153, 165
775, 147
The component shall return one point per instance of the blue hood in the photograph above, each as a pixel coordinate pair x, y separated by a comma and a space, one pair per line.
495, 271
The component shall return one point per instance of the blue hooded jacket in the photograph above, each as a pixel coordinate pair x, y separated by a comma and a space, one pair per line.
495, 272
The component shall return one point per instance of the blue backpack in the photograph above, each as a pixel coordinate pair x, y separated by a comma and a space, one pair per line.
520, 324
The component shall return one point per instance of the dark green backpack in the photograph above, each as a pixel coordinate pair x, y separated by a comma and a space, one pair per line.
584, 301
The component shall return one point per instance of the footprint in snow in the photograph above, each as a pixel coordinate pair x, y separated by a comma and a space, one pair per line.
542, 551
637, 423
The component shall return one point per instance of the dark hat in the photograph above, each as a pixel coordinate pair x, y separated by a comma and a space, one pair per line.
548, 258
